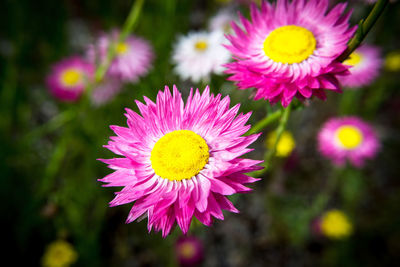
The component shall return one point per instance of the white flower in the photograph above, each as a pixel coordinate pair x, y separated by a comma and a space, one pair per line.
199, 54
222, 21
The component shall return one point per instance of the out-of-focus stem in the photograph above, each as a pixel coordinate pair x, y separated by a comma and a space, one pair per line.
364, 26
126, 29
259, 126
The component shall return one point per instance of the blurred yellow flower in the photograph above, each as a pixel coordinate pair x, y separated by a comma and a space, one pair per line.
59, 254
285, 145
392, 61
335, 224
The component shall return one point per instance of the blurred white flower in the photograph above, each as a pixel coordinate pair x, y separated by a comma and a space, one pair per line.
199, 54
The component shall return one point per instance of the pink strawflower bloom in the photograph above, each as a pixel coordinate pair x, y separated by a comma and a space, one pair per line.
181, 161
347, 138
289, 49
106, 91
69, 77
189, 251
365, 63
133, 57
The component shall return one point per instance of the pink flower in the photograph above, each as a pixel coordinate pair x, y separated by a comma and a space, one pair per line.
347, 138
289, 49
180, 161
133, 57
365, 63
189, 251
69, 77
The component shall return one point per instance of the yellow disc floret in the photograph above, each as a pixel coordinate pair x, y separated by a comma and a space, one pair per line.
59, 254
179, 155
349, 136
392, 61
354, 59
285, 145
289, 44
71, 77
187, 250
335, 224
122, 48
201, 45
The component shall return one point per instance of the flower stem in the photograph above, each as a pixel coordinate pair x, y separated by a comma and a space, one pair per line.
259, 126
364, 26
126, 29
285, 113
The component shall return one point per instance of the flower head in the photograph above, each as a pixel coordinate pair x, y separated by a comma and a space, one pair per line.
335, 224
199, 54
69, 77
392, 61
181, 161
285, 145
59, 254
365, 63
289, 49
347, 138
133, 57
189, 251
222, 21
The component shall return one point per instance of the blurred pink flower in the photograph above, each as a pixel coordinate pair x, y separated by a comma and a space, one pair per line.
189, 251
347, 138
289, 49
180, 161
365, 63
69, 77
133, 57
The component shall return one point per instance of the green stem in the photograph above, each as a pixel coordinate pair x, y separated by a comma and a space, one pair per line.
259, 126
364, 26
279, 131
126, 29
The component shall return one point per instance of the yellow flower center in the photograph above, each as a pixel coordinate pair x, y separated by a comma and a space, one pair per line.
285, 145
187, 250
354, 59
335, 224
122, 48
349, 136
179, 155
201, 46
59, 253
71, 77
392, 61
289, 44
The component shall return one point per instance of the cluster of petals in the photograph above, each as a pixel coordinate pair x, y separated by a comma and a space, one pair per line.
81, 69
332, 147
366, 69
276, 81
164, 201
199, 54
130, 63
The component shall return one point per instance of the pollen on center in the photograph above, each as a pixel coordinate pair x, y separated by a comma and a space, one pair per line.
179, 155
289, 44
201, 45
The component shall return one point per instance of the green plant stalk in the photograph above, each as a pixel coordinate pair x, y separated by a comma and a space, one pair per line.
364, 26
285, 114
129, 25
259, 126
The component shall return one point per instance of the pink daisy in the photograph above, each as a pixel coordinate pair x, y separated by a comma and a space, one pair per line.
189, 251
133, 57
289, 49
347, 138
365, 63
181, 161
69, 77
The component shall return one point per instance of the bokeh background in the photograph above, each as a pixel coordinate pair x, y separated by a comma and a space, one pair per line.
49, 188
